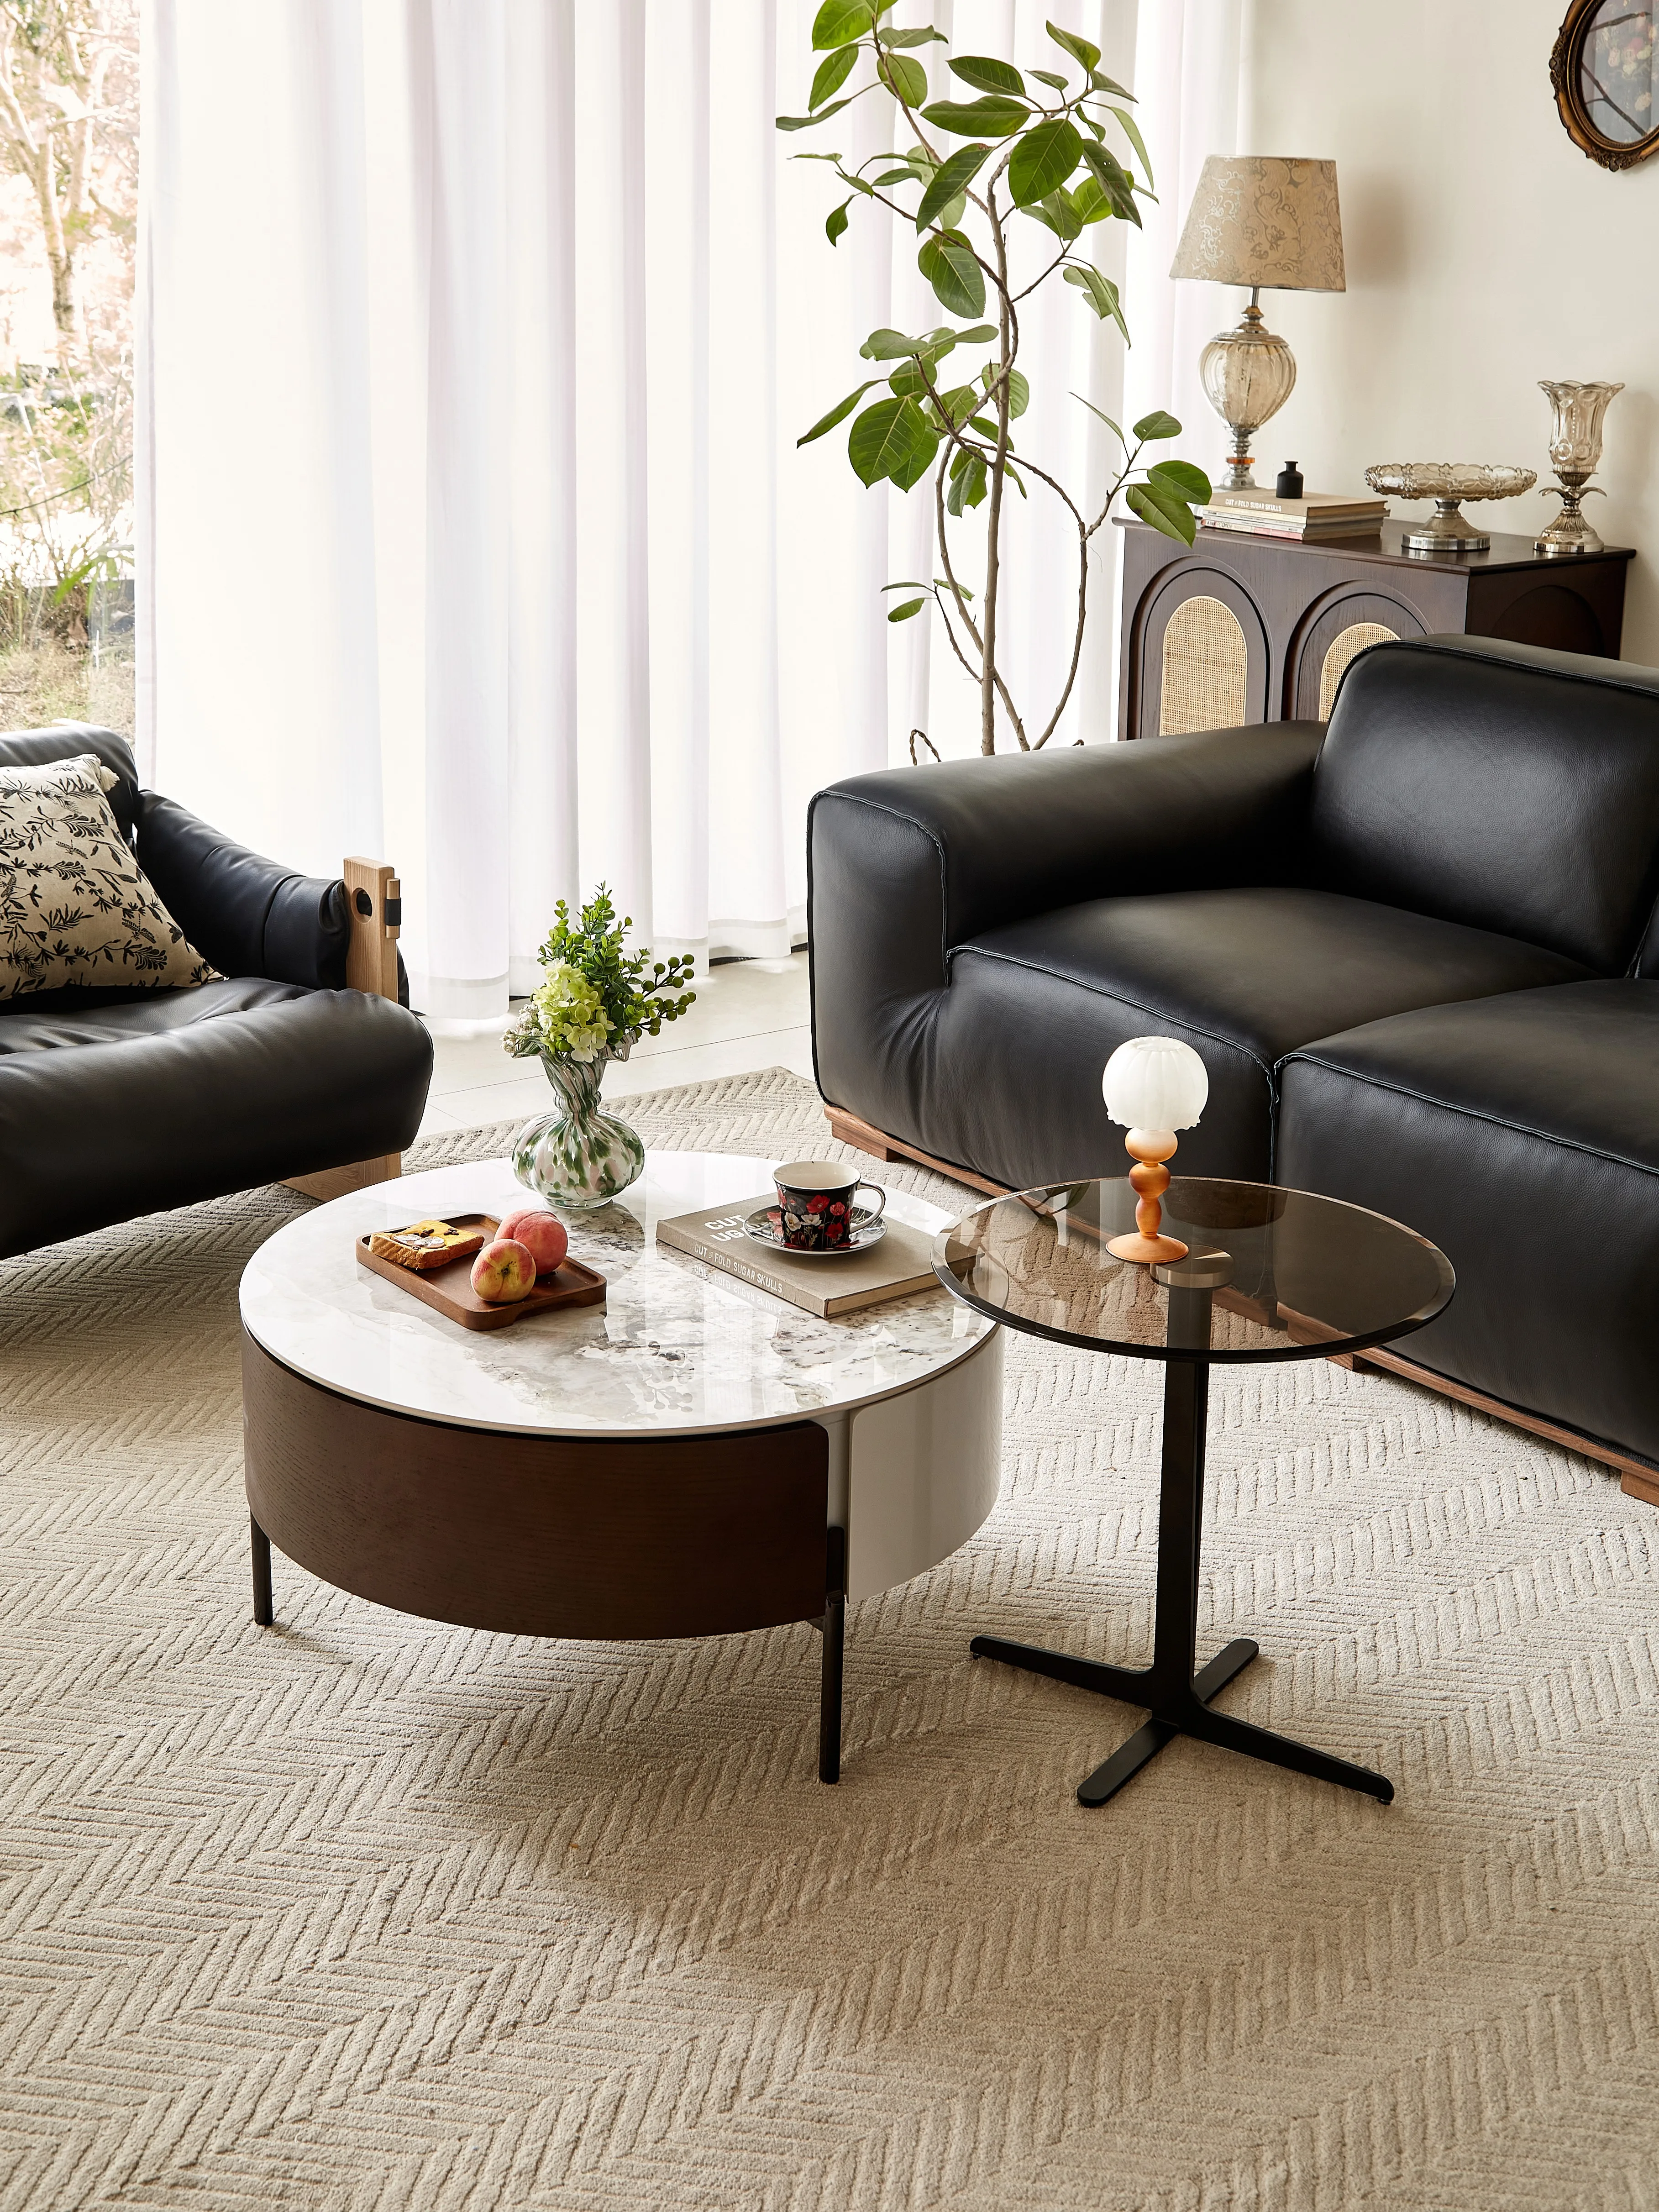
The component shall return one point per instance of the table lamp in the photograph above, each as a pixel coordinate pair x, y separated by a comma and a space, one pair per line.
1154, 1086
1271, 223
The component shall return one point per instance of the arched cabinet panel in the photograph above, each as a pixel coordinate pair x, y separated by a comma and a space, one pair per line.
1204, 647
1331, 633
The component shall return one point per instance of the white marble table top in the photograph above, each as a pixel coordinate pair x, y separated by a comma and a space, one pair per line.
678, 1347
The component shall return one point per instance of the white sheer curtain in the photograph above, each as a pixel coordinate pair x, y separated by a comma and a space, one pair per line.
475, 336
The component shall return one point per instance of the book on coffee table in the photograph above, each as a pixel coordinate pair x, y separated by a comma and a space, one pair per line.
897, 1264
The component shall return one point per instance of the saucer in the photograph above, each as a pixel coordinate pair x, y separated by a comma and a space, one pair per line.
864, 1228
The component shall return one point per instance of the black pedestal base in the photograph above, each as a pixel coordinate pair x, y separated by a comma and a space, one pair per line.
1177, 1698
1176, 1715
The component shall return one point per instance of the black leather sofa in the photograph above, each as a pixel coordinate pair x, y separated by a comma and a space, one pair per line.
1413, 949
121, 1102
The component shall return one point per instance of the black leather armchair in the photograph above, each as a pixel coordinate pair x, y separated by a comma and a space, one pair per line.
120, 1101
1414, 951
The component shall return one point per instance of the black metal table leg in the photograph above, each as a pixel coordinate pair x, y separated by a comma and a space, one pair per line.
834, 1627
259, 1548
1176, 1697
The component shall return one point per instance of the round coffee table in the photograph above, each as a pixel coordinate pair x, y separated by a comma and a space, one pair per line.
692, 1458
1270, 1274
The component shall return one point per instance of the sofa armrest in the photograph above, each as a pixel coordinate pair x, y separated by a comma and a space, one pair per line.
906, 863
248, 915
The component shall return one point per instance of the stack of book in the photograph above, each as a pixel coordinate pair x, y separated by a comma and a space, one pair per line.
1320, 515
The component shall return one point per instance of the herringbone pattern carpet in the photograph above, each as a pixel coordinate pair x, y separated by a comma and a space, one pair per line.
371, 1914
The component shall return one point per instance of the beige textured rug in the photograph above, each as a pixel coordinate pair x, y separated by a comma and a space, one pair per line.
371, 1914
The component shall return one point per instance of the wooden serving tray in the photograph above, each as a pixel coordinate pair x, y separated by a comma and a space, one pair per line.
449, 1289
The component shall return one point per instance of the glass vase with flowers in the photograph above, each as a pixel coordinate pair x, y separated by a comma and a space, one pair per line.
597, 999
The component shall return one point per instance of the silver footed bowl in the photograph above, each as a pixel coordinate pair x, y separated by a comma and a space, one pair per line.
1451, 480
1446, 483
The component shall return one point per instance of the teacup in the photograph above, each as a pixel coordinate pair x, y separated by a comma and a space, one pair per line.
815, 1203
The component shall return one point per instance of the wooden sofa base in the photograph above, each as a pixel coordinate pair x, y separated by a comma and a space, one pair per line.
339, 1183
1639, 1477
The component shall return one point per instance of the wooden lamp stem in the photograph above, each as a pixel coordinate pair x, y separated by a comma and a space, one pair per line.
1150, 1178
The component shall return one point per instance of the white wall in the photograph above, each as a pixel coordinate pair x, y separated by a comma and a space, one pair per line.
1484, 252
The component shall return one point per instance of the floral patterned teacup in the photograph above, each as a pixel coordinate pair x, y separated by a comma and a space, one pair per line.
815, 1204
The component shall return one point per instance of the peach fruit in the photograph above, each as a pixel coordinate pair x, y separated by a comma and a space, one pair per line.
504, 1273
543, 1235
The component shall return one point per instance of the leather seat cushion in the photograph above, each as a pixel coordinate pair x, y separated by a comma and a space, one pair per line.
25, 1026
1014, 1062
1521, 1135
162, 1116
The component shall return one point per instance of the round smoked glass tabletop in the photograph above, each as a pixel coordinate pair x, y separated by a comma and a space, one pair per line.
1270, 1274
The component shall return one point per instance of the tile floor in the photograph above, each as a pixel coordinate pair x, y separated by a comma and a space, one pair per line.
749, 1014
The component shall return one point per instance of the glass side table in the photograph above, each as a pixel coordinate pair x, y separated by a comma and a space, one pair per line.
1271, 1275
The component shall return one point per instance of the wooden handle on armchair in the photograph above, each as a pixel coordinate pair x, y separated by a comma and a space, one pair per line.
375, 899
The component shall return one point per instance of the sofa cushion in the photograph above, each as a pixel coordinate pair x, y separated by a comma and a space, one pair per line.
1522, 1135
27, 1027
1502, 786
1243, 976
301, 1081
74, 905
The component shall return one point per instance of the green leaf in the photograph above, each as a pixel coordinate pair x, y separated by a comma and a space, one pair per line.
903, 612
994, 117
1102, 294
1044, 158
1157, 424
986, 427
1114, 180
967, 484
1078, 49
832, 74
1132, 132
913, 37
980, 334
950, 217
1057, 211
1091, 202
1048, 76
1183, 479
1106, 419
985, 74
835, 221
836, 414
1019, 392
905, 79
947, 260
1109, 84
892, 438
805, 122
959, 403
839, 22
889, 345
1174, 520
951, 177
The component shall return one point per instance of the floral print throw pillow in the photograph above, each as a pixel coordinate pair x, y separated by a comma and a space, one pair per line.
73, 907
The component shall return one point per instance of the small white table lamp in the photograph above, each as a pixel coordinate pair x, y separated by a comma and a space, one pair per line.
1154, 1086
1268, 222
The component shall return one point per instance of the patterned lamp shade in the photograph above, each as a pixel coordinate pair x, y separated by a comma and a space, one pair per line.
1262, 219
1155, 1083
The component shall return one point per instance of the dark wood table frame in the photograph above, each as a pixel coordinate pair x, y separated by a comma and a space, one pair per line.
597, 1538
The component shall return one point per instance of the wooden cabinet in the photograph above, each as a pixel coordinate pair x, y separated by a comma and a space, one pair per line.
1260, 630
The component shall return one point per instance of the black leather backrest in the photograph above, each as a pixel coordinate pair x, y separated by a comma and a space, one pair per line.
65, 741
1499, 784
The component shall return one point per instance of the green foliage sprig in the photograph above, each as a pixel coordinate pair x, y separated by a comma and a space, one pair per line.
597, 996
1040, 154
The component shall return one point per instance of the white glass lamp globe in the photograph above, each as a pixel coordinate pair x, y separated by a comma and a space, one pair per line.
1154, 1086
1155, 1083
